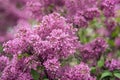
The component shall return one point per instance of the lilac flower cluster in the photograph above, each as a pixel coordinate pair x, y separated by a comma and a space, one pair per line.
94, 49
15, 46
4, 61
16, 70
52, 65
78, 72
46, 44
113, 64
108, 7
57, 37
79, 13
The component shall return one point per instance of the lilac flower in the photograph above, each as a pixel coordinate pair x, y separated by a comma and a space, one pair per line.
15, 46
93, 49
54, 38
16, 70
52, 64
110, 25
113, 64
34, 9
80, 20
88, 12
57, 37
63, 43
91, 13
108, 7
78, 72
4, 61
25, 76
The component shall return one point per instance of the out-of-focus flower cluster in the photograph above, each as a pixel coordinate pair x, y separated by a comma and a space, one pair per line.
113, 64
93, 50
75, 11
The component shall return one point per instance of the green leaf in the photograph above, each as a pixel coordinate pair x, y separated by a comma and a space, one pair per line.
111, 42
101, 62
93, 69
23, 55
35, 74
116, 74
118, 19
1, 48
118, 53
106, 74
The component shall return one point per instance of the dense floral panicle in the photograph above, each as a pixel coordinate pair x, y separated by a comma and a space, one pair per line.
34, 5
81, 18
113, 64
41, 46
24, 38
25, 76
34, 8
79, 5
50, 22
63, 43
73, 7
57, 37
38, 8
90, 13
16, 70
4, 61
108, 7
15, 46
53, 38
32, 62
93, 49
110, 25
78, 72
26, 32
52, 64
23, 29
80, 21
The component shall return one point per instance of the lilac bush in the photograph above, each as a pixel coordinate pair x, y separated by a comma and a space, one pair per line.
59, 40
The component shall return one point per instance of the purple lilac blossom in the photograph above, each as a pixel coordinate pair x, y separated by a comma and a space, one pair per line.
58, 41
4, 61
93, 49
58, 37
78, 72
52, 64
113, 64
16, 70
